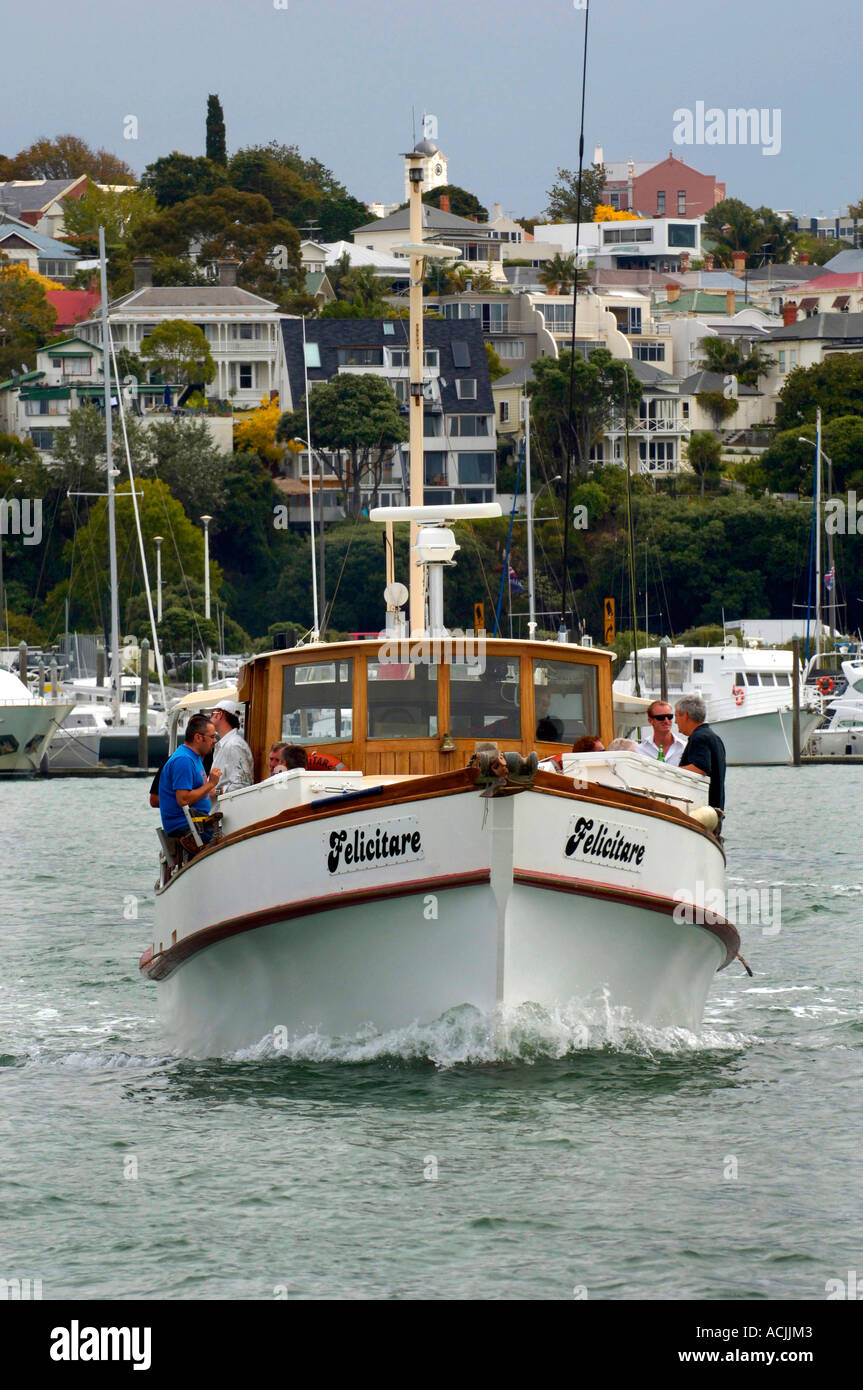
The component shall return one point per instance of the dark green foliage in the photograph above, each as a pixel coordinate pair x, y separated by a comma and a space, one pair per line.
461, 202
563, 205
175, 177
836, 385
760, 232
216, 147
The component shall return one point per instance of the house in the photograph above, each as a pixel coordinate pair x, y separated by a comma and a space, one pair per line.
459, 424
241, 328
56, 260
662, 244
320, 256
72, 306
319, 287
39, 202
474, 241
38, 403
809, 341
669, 188
832, 291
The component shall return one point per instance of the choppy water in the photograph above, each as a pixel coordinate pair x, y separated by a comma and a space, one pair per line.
593, 1154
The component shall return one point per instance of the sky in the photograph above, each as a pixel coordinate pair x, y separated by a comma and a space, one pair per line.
340, 79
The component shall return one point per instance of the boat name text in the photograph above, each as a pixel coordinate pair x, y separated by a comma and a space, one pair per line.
361, 847
606, 840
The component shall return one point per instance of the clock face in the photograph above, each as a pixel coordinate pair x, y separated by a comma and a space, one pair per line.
438, 168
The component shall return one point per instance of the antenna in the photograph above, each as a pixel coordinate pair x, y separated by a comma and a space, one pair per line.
414, 123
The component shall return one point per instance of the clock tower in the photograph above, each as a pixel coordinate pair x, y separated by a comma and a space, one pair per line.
434, 167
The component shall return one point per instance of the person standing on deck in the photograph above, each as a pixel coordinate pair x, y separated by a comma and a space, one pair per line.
234, 754
663, 743
183, 781
704, 751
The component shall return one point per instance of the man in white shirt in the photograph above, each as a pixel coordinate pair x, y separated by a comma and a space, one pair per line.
235, 755
662, 739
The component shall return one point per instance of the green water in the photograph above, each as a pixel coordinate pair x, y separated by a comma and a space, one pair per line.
644, 1164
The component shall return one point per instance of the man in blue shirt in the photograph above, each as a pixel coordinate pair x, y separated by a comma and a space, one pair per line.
183, 781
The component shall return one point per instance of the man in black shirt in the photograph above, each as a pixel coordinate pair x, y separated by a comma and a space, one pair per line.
705, 751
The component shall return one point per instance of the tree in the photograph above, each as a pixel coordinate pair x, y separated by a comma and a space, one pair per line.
598, 397
789, 465
358, 418
496, 368
78, 454
559, 273
67, 157
216, 147
836, 384
760, 232
175, 177
461, 202
119, 213
255, 432
290, 195
180, 351
729, 358
188, 461
718, 406
361, 289
704, 453
26, 317
819, 249
226, 225
563, 202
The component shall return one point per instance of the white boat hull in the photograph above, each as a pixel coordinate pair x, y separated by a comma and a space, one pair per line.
764, 739
489, 911
25, 731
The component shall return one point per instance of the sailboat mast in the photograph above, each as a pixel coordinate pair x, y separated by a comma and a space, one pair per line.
818, 535
109, 453
415, 371
531, 567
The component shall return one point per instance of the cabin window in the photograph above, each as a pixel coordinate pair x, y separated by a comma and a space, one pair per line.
402, 700
767, 678
317, 700
783, 678
566, 700
698, 665
484, 699
752, 678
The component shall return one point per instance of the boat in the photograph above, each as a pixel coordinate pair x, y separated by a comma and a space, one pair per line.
747, 692
431, 874
92, 736
842, 735
27, 722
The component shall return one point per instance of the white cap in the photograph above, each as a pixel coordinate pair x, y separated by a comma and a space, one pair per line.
228, 707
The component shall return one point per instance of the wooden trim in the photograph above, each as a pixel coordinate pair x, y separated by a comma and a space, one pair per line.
395, 793
652, 902
159, 964
549, 784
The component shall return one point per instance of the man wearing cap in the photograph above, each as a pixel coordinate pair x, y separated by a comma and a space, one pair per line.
235, 755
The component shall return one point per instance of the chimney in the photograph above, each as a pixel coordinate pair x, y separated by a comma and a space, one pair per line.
729, 301
708, 260
143, 268
496, 211
789, 314
444, 202
672, 293
227, 272
739, 259
803, 258
598, 156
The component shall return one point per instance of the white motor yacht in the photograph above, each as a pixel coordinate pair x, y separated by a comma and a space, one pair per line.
27, 723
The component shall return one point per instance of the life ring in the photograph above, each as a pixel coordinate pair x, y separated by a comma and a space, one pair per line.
739, 694
825, 685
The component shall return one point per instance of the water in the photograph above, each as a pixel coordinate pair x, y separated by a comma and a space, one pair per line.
593, 1155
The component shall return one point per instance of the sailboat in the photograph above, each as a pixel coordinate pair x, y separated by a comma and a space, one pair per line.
443, 867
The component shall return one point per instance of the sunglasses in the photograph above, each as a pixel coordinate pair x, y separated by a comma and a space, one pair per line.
661, 716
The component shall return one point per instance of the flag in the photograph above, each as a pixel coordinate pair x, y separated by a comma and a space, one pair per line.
515, 583
830, 579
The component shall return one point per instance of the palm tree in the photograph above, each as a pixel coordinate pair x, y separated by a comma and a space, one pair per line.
559, 274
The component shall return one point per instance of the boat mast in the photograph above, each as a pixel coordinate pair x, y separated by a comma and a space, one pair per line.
818, 536
531, 592
415, 371
316, 630
109, 452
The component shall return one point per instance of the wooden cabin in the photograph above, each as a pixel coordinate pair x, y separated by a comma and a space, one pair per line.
374, 710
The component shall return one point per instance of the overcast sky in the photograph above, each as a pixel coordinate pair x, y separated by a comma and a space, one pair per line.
503, 77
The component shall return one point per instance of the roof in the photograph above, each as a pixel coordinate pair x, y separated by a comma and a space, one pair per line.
361, 255
692, 302
837, 327
71, 347
48, 245
850, 280
789, 274
332, 334
32, 196
517, 377
314, 280
14, 381
214, 298
843, 261
433, 218
712, 381
73, 306
715, 280
649, 375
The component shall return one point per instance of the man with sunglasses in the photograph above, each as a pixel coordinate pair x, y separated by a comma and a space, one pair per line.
184, 782
663, 743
